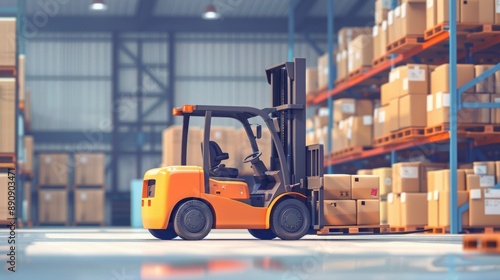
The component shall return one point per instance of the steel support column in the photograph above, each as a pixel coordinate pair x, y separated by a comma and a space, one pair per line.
115, 138
170, 94
140, 115
331, 75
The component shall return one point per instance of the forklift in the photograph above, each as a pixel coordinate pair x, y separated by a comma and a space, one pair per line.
287, 196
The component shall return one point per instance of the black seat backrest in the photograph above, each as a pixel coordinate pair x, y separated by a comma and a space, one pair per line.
216, 154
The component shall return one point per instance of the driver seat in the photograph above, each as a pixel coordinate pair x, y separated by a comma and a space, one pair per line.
216, 168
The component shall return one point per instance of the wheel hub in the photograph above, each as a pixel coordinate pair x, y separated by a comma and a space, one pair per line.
194, 220
291, 220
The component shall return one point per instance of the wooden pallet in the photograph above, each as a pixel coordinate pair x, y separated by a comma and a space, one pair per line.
359, 71
404, 44
8, 71
467, 230
101, 224
349, 151
470, 129
462, 28
400, 135
406, 228
380, 60
340, 80
436, 230
353, 229
7, 157
485, 243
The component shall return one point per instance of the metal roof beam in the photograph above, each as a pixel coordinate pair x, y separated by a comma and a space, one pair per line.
144, 10
302, 10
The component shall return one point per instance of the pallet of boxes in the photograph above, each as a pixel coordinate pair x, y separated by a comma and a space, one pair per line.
52, 189
89, 189
351, 204
385, 187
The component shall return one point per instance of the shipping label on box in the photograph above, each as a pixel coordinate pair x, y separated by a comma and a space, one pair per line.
492, 206
442, 100
430, 102
486, 181
480, 170
491, 193
409, 172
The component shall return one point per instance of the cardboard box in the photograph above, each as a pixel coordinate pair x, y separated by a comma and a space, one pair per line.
377, 50
311, 80
497, 14
53, 170
340, 212
360, 52
488, 85
379, 122
365, 186
27, 202
8, 42
383, 212
444, 208
406, 177
89, 206
412, 15
172, 141
479, 181
337, 187
393, 209
52, 206
388, 92
384, 37
385, 179
442, 180
484, 207
412, 111
391, 27
440, 77
382, 8
21, 76
487, 11
469, 11
347, 34
438, 109
425, 167
433, 208
7, 114
414, 79
475, 115
323, 71
359, 131
484, 167
431, 14
89, 169
497, 172
365, 172
4, 199
413, 209
341, 58
393, 115
343, 109
368, 212
442, 13
29, 147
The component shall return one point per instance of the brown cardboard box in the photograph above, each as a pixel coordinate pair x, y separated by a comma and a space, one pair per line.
406, 177
365, 172
393, 209
433, 181
89, 169
341, 58
8, 42
377, 50
4, 199
27, 107
368, 212
384, 37
398, 30
497, 172
475, 115
21, 76
323, 71
425, 167
442, 180
360, 52
393, 115
321, 118
29, 148
412, 111
7, 114
359, 131
383, 212
433, 208
444, 208
385, 179
484, 167
443, 13
347, 34
479, 181
431, 14
413, 209
440, 77
340, 212
311, 80
382, 8
379, 122
412, 15
172, 140
469, 11
52, 206
484, 207
388, 92
497, 14
337, 187
365, 186
391, 27
343, 108
53, 170
89, 206
487, 11
414, 79
27, 200
488, 85
440, 109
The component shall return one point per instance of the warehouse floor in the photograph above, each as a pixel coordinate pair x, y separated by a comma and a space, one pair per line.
128, 254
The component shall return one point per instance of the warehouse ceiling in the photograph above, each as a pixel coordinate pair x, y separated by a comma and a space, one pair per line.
185, 15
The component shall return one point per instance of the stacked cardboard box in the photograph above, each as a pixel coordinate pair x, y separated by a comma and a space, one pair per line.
7, 114
8, 42
489, 86
311, 80
385, 184
27, 202
407, 20
360, 52
89, 169
4, 198
345, 37
382, 8
29, 149
407, 204
351, 200
52, 188
310, 133
89, 206
53, 206
353, 123
484, 202
53, 170
471, 11
172, 141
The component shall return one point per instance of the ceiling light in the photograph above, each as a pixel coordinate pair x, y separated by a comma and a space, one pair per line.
210, 13
98, 5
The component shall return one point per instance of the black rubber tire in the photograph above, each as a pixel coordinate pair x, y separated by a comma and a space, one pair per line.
164, 234
291, 219
193, 220
262, 234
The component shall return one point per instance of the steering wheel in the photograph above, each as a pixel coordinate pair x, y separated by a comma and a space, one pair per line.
252, 156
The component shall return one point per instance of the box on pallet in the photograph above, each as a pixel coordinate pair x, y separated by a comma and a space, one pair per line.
393, 115
323, 71
365, 187
432, 207
7, 114
53, 169
347, 34
89, 169
411, 177
438, 108
89, 206
53, 206
359, 130
29, 150
484, 167
365, 172
337, 187
4, 198
474, 182
412, 15
347, 107
341, 59
382, 8
413, 209
484, 207
441, 180
383, 212
488, 85
440, 79
393, 209
368, 212
360, 52
340, 212
384, 38
444, 207
380, 122
412, 111
311, 80
385, 179
8, 42
172, 140
431, 13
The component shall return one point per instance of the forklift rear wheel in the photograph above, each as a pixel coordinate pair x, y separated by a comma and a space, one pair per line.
193, 220
263, 234
290, 219
164, 234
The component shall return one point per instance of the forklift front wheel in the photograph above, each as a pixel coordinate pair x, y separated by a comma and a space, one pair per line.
262, 234
193, 220
164, 234
290, 219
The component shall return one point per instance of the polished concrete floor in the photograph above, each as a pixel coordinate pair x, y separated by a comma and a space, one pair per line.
132, 254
